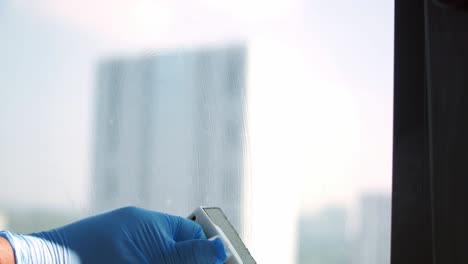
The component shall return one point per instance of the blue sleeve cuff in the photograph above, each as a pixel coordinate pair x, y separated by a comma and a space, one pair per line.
8, 236
34, 250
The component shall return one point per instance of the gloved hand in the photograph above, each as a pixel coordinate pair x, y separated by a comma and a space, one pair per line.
127, 235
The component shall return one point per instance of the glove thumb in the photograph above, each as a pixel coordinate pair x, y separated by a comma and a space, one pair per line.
201, 251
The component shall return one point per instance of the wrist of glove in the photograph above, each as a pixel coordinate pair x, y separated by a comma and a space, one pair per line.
127, 235
29, 249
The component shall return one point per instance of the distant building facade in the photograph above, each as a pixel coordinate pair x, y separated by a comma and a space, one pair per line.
169, 132
322, 238
373, 241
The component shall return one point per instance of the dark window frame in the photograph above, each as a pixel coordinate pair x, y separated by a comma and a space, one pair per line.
430, 158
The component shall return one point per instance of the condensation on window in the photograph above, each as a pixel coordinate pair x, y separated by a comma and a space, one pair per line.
278, 112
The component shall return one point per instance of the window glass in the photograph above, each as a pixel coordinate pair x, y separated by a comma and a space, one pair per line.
279, 112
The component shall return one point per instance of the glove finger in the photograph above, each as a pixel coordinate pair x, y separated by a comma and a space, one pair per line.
201, 251
175, 227
188, 230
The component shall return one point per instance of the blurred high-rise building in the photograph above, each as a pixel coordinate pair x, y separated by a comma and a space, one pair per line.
322, 237
372, 244
169, 131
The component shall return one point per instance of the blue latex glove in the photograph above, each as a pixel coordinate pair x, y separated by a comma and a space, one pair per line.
127, 235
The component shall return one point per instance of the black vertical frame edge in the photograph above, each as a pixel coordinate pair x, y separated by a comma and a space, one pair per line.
411, 200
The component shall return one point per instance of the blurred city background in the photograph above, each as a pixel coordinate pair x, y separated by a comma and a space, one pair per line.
279, 112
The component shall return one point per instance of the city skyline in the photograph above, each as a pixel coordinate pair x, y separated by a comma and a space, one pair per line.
347, 235
56, 98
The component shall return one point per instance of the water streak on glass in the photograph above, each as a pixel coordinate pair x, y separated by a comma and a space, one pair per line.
279, 112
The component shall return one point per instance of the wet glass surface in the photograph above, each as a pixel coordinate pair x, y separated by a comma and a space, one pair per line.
279, 112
